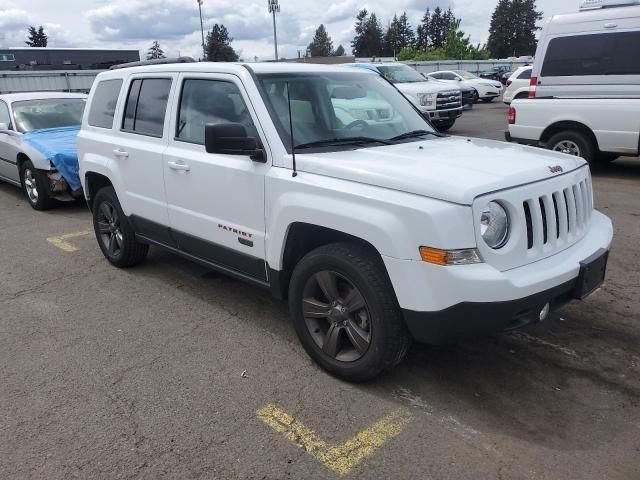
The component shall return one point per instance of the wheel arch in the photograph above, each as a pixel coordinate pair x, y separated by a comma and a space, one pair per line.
93, 182
558, 127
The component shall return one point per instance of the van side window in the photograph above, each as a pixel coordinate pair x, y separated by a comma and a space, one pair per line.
147, 106
209, 102
103, 105
4, 114
594, 54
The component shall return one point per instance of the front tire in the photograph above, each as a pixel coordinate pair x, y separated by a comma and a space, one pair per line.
573, 142
488, 99
345, 312
114, 233
445, 126
35, 186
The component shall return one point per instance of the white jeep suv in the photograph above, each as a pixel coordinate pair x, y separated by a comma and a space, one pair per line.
376, 231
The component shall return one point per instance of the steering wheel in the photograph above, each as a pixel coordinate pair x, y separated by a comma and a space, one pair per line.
355, 123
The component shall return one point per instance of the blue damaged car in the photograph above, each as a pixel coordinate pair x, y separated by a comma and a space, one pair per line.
38, 145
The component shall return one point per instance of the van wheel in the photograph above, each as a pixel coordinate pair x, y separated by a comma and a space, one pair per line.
345, 312
114, 233
573, 142
35, 185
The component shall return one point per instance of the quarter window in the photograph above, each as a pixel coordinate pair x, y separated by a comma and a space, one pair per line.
525, 75
595, 54
206, 102
103, 104
146, 106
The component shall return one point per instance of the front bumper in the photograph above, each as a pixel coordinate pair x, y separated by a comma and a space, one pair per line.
443, 115
480, 298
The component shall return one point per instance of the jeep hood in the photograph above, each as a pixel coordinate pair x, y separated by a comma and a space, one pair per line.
454, 169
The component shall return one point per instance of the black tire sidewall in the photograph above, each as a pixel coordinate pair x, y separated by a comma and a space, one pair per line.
44, 201
374, 360
587, 149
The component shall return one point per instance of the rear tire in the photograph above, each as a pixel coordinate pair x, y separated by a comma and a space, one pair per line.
573, 142
35, 186
114, 233
345, 312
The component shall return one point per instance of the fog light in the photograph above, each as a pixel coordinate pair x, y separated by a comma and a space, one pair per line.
544, 312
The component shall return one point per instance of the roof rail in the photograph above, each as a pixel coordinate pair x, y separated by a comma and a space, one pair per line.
157, 61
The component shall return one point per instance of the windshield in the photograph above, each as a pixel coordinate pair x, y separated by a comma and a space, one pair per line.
400, 74
331, 108
48, 113
466, 75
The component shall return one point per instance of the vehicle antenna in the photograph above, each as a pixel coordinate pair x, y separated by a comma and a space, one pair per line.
293, 147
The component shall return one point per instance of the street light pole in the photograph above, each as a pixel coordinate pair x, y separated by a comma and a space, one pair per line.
204, 52
274, 8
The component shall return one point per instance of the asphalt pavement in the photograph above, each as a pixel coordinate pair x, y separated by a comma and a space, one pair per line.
168, 370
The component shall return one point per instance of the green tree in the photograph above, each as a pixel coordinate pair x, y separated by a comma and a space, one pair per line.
321, 45
339, 52
438, 31
218, 45
368, 41
399, 35
155, 52
423, 31
37, 37
513, 27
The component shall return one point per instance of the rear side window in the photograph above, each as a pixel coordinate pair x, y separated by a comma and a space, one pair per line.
525, 75
103, 105
146, 106
595, 54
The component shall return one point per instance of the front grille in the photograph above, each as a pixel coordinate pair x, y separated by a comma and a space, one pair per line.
557, 216
448, 100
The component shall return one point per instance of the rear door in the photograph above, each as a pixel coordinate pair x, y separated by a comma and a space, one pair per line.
215, 201
137, 154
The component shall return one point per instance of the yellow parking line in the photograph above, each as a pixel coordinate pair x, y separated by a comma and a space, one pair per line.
339, 458
61, 241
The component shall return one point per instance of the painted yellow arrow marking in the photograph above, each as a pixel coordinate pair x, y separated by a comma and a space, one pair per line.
61, 241
339, 458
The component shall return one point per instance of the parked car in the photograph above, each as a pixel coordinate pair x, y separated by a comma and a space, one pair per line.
496, 73
487, 89
375, 232
585, 101
517, 85
469, 96
440, 103
38, 145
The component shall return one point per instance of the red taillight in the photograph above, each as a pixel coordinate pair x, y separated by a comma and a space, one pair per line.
508, 82
533, 85
512, 115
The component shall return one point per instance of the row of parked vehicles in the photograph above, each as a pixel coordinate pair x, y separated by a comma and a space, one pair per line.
330, 188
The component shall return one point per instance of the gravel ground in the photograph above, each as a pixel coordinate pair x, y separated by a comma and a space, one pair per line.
158, 371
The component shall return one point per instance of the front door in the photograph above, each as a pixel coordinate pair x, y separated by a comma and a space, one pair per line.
8, 145
215, 201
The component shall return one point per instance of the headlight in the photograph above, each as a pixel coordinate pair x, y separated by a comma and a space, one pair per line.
494, 225
426, 99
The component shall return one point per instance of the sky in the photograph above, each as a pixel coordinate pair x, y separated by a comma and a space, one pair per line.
175, 24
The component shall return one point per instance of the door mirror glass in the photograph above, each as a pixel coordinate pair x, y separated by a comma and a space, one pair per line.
231, 139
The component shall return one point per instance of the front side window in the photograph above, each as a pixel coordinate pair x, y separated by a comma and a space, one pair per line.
4, 114
594, 54
400, 74
48, 113
206, 102
146, 106
335, 108
103, 104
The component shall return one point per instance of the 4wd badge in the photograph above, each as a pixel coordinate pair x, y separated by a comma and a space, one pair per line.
555, 169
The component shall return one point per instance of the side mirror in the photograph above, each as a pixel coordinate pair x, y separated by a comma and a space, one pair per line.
232, 139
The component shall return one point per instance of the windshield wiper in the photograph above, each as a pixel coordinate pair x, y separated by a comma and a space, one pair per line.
415, 133
342, 141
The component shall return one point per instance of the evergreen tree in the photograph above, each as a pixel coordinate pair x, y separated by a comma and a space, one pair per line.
423, 32
513, 28
155, 52
218, 45
358, 44
398, 36
339, 52
37, 37
374, 36
321, 45
438, 28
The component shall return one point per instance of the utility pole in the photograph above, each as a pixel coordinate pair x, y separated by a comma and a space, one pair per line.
204, 51
274, 8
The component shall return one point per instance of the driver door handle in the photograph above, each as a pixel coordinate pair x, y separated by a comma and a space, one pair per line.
119, 153
183, 167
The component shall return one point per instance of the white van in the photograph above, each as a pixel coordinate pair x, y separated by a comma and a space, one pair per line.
594, 53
